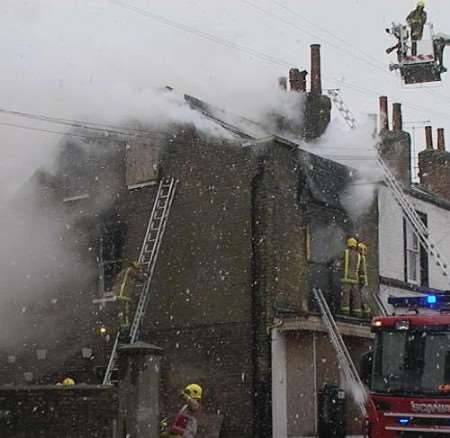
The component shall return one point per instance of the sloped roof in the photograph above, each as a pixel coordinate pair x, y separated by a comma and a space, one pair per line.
325, 179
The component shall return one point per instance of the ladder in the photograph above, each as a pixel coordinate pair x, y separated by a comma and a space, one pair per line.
345, 361
147, 259
397, 191
345, 112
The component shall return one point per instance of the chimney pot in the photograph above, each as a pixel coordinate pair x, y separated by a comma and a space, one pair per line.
384, 116
316, 76
282, 82
297, 79
429, 137
397, 120
440, 139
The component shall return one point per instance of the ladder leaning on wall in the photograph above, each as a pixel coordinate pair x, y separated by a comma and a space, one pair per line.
344, 359
147, 259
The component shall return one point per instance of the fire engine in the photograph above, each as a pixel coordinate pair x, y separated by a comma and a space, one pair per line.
408, 371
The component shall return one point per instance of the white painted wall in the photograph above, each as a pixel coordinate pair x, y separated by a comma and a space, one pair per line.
279, 384
391, 257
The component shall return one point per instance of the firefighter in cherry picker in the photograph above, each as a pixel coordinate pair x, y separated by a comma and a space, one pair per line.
416, 21
123, 288
185, 424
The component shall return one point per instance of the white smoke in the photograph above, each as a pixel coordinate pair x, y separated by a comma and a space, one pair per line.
358, 393
355, 149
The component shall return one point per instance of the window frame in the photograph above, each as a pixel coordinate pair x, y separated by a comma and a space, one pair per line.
413, 249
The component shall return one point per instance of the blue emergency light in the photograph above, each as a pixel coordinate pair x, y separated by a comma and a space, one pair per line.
433, 301
403, 420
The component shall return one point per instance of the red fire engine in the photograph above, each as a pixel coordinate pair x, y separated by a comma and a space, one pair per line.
408, 371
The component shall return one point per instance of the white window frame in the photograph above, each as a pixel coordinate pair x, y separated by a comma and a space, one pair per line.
412, 255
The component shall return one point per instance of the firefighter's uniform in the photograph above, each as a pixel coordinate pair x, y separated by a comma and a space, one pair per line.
416, 21
350, 292
185, 424
363, 279
124, 284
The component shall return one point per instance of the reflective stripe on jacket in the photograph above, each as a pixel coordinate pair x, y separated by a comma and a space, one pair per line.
351, 266
124, 282
362, 270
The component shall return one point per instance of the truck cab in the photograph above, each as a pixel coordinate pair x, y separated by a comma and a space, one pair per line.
408, 375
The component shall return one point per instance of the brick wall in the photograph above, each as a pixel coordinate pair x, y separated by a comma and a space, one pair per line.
200, 309
434, 171
58, 411
395, 149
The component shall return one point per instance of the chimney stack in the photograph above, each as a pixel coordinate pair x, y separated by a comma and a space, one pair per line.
297, 79
282, 82
316, 76
315, 107
395, 145
429, 137
440, 139
384, 116
397, 120
434, 165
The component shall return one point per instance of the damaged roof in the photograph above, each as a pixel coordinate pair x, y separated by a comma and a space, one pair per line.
324, 178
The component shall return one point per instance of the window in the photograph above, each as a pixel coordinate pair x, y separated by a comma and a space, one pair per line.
411, 361
416, 257
324, 242
110, 255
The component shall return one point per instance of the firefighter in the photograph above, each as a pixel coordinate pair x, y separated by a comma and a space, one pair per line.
67, 381
416, 21
186, 424
124, 284
350, 280
363, 279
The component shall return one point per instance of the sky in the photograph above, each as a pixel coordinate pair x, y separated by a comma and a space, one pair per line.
97, 59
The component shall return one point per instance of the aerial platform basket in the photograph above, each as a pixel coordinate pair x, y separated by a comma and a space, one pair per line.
417, 61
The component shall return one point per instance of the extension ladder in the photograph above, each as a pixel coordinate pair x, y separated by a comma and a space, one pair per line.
345, 361
147, 259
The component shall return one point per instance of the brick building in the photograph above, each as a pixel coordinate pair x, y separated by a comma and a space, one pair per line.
257, 222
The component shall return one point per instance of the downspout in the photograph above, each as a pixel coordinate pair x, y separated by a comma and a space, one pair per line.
316, 407
261, 349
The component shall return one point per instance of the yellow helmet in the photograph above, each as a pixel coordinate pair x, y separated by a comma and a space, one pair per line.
362, 247
68, 381
420, 3
352, 242
194, 391
135, 265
